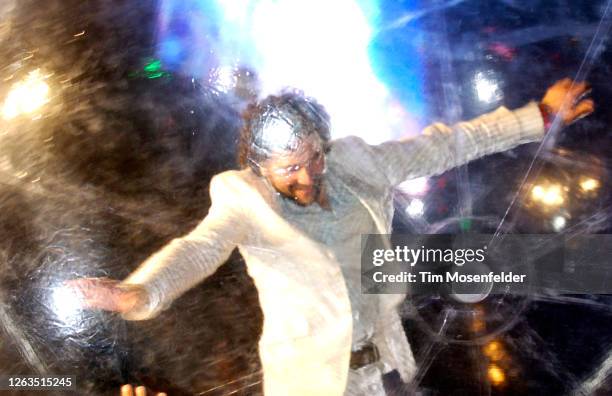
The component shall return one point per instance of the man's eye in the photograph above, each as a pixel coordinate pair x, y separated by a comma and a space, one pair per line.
287, 170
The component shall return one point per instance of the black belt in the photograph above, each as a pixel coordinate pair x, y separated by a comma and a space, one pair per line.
367, 354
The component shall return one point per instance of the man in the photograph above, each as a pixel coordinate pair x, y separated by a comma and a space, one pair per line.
296, 211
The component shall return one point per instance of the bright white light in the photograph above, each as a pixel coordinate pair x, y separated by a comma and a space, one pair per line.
486, 88
416, 186
415, 208
65, 304
559, 223
320, 47
589, 185
235, 9
27, 96
551, 195
224, 79
537, 192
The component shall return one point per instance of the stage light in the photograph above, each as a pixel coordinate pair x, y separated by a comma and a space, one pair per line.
558, 223
537, 192
553, 196
493, 350
550, 195
588, 185
153, 69
299, 44
26, 96
496, 374
416, 208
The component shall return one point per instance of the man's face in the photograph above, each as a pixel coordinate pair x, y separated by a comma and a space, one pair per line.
298, 174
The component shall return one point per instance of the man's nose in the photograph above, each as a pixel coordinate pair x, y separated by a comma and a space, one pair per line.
304, 177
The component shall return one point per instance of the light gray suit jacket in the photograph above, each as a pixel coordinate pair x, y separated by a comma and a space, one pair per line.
306, 340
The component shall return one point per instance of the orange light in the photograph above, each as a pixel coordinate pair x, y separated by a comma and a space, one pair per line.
478, 325
496, 374
551, 195
494, 350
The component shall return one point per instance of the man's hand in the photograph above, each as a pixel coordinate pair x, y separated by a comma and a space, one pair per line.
128, 390
564, 99
106, 294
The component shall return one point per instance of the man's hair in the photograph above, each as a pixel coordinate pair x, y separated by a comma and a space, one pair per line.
279, 123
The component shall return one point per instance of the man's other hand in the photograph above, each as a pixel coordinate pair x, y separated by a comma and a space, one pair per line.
106, 294
565, 100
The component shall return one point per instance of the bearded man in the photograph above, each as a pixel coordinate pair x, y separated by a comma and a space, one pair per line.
296, 211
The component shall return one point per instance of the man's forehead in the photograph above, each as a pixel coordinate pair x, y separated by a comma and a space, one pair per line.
279, 134
303, 151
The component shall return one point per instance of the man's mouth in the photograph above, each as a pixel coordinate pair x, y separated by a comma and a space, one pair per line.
305, 189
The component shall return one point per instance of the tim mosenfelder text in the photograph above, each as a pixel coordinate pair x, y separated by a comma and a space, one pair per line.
458, 257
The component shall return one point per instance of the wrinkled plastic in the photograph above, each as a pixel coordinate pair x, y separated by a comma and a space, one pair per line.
278, 125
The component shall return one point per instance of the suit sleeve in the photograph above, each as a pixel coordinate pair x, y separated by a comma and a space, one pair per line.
442, 147
186, 261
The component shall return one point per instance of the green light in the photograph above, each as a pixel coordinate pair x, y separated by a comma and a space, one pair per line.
465, 224
153, 69
153, 66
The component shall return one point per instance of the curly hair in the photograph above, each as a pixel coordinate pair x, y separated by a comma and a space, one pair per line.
301, 115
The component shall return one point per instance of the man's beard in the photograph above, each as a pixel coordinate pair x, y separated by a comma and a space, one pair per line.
316, 189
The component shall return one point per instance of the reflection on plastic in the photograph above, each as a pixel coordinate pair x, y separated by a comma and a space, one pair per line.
27, 96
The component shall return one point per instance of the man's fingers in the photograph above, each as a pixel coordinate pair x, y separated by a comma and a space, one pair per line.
566, 82
583, 109
584, 94
579, 89
126, 390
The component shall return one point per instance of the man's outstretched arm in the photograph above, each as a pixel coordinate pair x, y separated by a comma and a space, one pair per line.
176, 268
442, 147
